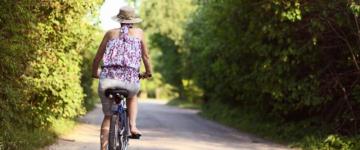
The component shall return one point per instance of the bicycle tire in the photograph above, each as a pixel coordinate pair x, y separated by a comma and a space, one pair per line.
124, 139
113, 133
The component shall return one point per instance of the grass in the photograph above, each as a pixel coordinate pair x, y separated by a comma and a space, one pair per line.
63, 126
183, 104
23, 138
30, 139
26, 139
302, 134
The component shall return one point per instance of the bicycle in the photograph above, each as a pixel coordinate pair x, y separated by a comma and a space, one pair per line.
119, 122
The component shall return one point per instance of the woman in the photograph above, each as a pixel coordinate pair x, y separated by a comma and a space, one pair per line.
121, 51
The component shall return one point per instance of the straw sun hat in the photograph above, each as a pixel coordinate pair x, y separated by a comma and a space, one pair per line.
127, 15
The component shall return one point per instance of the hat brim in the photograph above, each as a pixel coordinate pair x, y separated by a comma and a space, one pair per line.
134, 20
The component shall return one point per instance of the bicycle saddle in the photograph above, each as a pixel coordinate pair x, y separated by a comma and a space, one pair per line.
116, 92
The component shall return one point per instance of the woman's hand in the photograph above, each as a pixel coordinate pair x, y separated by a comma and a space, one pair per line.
145, 75
96, 74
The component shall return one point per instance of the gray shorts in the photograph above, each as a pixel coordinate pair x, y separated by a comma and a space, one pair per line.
105, 83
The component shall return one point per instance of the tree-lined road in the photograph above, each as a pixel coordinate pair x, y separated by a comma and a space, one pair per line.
165, 128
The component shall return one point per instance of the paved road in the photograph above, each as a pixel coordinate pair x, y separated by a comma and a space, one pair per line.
165, 128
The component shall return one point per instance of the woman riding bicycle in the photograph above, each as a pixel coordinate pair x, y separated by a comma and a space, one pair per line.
121, 51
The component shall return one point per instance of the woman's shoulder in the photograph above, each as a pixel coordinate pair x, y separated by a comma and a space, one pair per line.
138, 29
138, 32
112, 32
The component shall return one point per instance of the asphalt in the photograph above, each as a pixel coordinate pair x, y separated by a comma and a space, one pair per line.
165, 128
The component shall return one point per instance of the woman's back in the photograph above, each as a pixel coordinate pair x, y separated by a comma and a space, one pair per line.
122, 56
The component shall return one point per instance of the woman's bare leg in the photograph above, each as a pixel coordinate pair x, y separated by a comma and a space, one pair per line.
104, 132
132, 105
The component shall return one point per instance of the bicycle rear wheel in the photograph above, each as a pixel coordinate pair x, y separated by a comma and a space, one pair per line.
114, 141
124, 131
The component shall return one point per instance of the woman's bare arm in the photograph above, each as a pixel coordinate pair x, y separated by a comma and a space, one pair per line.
145, 55
99, 55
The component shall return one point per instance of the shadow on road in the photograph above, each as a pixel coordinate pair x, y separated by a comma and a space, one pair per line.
166, 128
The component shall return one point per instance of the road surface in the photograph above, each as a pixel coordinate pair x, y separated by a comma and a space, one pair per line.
165, 128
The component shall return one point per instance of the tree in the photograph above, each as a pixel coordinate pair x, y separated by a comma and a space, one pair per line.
41, 52
164, 22
294, 60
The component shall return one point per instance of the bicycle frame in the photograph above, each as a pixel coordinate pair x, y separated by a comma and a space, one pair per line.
119, 108
122, 129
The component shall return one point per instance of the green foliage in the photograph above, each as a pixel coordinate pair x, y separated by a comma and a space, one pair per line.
302, 134
164, 21
42, 47
287, 58
62, 126
295, 62
88, 84
335, 142
166, 17
19, 139
183, 104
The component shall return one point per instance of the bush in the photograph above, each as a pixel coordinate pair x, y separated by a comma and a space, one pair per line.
41, 50
293, 60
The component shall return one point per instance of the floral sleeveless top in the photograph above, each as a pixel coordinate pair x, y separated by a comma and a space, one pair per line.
122, 57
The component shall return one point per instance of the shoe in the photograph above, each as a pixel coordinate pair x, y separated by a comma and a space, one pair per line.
135, 136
